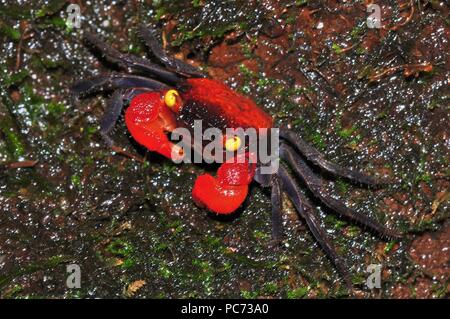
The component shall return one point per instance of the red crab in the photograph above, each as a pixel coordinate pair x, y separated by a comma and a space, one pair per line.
162, 97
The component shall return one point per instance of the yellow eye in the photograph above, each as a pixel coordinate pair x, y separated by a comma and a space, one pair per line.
170, 98
232, 144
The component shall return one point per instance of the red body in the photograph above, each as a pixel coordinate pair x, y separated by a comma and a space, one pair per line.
149, 119
215, 103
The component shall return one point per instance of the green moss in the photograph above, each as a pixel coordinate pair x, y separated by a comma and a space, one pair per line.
440, 291
249, 294
161, 247
204, 265
291, 20
75, 180
13, 143
301, 2
213, 242
226, 266
353, 231
34, 104
164, 271
359, 279
56, 108
260, 235
246, 71
49, 64
10, 293
389, 246
299, 122
196, 3
120, 248
263, 82
425, 177
365, 72
361, 51
123, 250
58, 22
423, 174
316, 138
347, 132
246, 50
169, 167
49, 263
342, 186
336, 48
16, 11
423, 225
10, 32
356, 32
177, 227
335, 222
15, 78
297, 293
270, 288
217, 32
50, 8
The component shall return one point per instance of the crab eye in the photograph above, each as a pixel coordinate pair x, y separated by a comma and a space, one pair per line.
171, 97
232, 144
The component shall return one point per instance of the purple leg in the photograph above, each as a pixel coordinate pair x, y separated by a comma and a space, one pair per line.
128, 61
306, 210
114, 81
314, 183
315, 157
150, 38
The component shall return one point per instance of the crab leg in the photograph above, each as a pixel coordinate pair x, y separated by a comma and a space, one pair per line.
306, 210
130, 61
150, 39
314, 184
277, 207
114, 81
272, 181
318, 159
113, 110
114, 107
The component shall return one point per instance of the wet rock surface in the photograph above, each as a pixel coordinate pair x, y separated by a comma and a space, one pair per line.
372, 99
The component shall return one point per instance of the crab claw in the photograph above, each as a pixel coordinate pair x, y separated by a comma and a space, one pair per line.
148, 119
226, 192
209, 193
